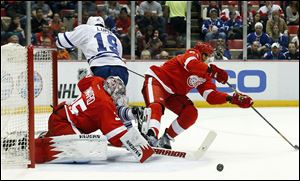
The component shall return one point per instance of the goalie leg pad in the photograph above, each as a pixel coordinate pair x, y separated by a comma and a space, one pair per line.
137, 145
71, 149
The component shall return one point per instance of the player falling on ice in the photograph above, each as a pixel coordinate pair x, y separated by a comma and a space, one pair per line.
166, 86
94, 110
103, 51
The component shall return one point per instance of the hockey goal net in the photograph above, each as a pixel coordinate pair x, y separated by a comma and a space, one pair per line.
28, 88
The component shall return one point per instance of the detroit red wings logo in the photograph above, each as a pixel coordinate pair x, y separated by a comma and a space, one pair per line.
194, 81
147, 151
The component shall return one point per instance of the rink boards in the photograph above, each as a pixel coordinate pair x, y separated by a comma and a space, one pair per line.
269, 83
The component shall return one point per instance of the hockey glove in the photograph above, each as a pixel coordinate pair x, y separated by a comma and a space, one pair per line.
241, 100
219, 74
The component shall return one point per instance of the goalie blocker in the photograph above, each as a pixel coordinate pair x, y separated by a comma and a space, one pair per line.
84, 148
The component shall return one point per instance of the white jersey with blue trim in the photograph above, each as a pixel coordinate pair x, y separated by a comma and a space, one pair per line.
99, 45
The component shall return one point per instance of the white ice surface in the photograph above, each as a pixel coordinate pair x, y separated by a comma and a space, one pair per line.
246, 145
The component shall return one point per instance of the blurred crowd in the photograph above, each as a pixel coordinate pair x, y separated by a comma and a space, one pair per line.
159, 22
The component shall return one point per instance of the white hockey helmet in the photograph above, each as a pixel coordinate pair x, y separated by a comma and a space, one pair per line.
95, 20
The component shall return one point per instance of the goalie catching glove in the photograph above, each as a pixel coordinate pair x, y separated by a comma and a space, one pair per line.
241, 100
216, 73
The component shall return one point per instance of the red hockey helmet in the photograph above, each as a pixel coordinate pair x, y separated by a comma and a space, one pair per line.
204, 48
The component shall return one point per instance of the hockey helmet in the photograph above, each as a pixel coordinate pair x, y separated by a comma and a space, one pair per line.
95, 20
205, 48
115, 87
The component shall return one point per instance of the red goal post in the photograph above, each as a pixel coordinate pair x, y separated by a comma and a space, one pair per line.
28, 88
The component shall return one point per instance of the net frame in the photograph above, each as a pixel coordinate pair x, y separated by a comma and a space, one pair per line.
32, 59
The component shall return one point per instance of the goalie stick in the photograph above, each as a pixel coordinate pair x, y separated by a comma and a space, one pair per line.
189, 155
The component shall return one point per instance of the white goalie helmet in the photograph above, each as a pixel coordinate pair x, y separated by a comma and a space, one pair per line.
95, 20
115, 87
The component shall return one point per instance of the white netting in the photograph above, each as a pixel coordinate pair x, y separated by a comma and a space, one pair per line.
14, 103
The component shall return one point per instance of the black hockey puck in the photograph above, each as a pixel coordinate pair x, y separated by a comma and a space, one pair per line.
296, 147
220, 167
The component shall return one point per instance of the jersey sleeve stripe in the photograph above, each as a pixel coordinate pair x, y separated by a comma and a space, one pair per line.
187, 61
71, 122
115, 132
68, 39
206, 93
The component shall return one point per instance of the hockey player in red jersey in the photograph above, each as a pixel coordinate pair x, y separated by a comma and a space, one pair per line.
94, 109
166, 86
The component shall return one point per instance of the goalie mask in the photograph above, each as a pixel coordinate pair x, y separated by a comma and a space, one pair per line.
115, 87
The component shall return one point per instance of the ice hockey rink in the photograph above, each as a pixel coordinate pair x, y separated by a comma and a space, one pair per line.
245, 144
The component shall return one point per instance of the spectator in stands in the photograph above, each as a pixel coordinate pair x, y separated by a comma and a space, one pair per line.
292, 13
218, 54
292, 53
213, 28
140, 41
37, 21
69, 20
39, 38
176, 11
234, 27
267, 10
163, 55
150, 7
151, 16
280, 38
251, 24
212, 5
114, 9
13, 39
253, 51
275, 53
276, 19
154, 44
145, 55
57, 6
296, 40
56, 24
15, 8
226, 52
47, 42
108, 20
260, 36
225, 14
123, 23
15, 28
47, 12
89, 6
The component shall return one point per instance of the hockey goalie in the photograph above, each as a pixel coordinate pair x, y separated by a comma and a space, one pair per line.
68, 138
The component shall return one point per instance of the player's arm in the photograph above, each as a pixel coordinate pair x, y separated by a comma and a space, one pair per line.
212, 96
194, 65
71, 39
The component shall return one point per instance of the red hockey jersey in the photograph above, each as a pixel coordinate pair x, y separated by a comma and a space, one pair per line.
94, 109
185, 72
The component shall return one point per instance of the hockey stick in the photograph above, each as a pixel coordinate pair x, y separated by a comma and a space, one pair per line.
294, 146
135, 73
189, 155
